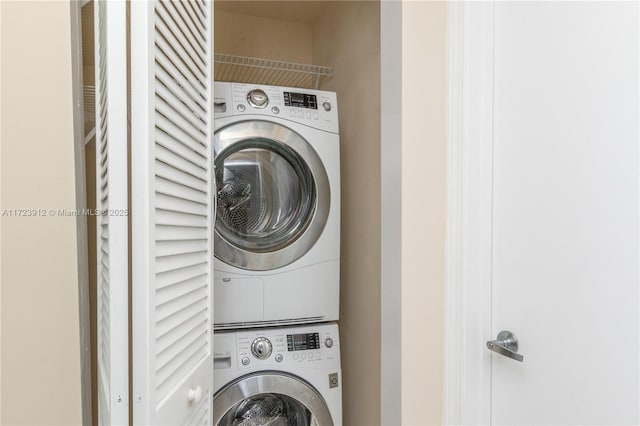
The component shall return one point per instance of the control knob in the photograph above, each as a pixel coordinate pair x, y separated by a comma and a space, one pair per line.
257, 98
261, 348
328, 342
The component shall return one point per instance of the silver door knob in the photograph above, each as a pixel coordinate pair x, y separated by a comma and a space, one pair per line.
506, 344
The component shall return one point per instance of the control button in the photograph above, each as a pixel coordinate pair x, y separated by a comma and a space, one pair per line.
292, 112
246, 361
240, 107
315, 116
311, 356
333, 380
308, 114
328, 342
257, 98
295, 356
300, 114
279, 358
303, 356
326, 106
318, 354
261, 348
275, 110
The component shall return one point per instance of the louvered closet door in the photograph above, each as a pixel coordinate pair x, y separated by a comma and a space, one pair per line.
112, 228
172, 203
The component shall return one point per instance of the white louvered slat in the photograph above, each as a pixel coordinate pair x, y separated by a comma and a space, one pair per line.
166, 248
168, 156
182, 177
167, 44
168, 128
194, 21
179, 289
191, 22
172, 76
178, 92
167, 217
191, 88
192, 116
170, 233
180, 338
178, 275
169, 263
173, 204
167, 142
187, 126
111, 194
176, 190
172, 22
178, 367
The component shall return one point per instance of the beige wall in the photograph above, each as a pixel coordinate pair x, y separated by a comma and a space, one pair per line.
39, 313
39, 319
347, 37
424, 94
260, 37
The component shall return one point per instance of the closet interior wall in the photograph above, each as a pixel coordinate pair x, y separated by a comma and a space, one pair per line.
345, 36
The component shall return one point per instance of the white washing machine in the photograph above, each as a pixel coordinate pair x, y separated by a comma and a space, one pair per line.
277, 233
278, 376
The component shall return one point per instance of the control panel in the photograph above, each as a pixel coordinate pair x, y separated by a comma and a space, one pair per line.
314, 108
313, 346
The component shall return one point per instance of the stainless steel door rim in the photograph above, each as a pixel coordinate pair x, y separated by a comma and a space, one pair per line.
271, 383
273, 195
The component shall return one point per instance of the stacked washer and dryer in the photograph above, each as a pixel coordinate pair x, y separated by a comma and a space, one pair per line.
277, 266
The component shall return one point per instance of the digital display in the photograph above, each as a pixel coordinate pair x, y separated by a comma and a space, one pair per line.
303, 342
300, 100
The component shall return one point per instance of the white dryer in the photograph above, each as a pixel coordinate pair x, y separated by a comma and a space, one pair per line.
278, 376
277, 233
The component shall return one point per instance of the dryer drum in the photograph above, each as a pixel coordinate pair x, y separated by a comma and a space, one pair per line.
266, 196
267, 410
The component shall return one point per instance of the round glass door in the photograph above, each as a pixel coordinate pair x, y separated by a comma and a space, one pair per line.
272, 195
267, 409
270, 398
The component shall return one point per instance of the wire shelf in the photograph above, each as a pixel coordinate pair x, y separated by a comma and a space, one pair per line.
244, 69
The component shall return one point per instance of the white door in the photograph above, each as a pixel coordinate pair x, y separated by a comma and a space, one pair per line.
112, 227
173, 211
565, 212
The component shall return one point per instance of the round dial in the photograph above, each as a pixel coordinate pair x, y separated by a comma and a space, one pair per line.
257, 98
261, 348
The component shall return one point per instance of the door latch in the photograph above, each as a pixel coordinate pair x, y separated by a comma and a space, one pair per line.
506, 344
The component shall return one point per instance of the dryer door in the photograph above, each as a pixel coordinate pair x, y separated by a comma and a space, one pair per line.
270, 398
273, 195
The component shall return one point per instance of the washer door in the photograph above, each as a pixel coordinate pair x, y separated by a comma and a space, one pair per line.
273, 195
270, 398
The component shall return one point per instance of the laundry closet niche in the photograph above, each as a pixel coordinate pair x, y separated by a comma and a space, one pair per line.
344, 36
